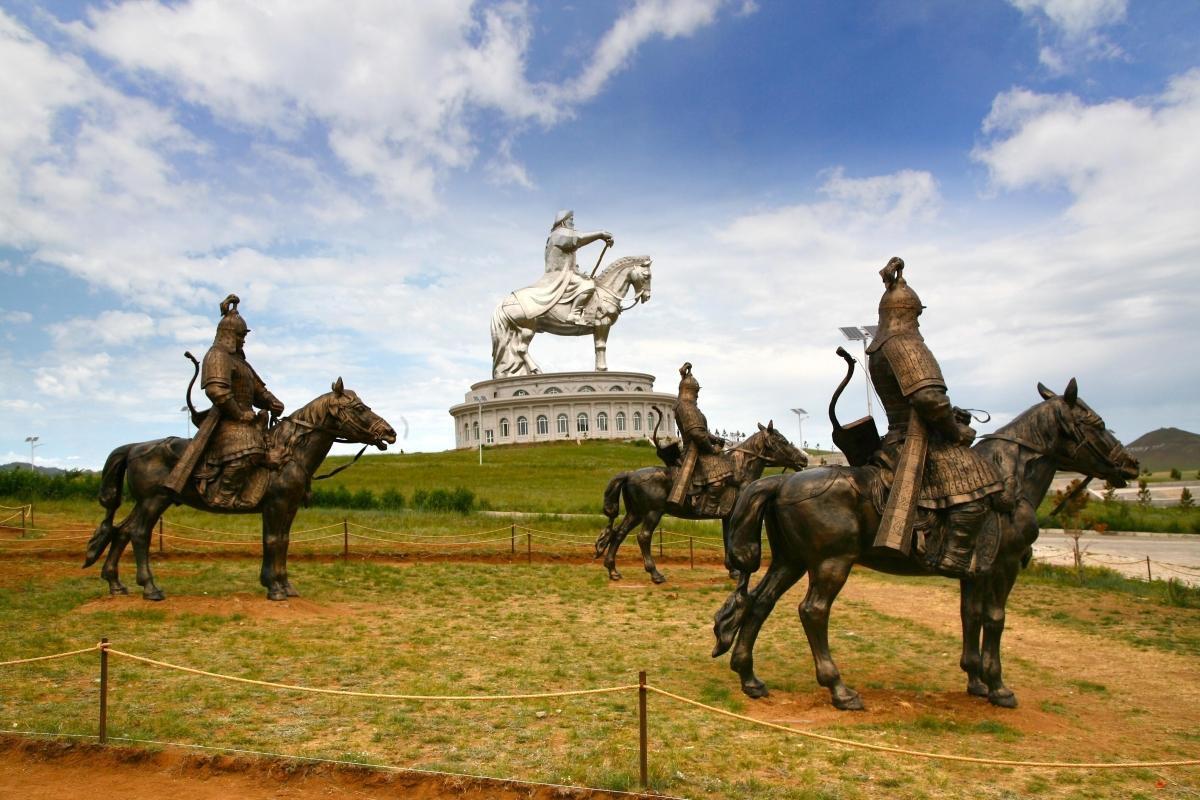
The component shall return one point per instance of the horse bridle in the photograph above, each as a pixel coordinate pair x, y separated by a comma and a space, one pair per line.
1079, 439
770, 460
337, 437
618, 298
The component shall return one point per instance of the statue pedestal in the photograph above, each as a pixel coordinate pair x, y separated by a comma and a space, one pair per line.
561, 406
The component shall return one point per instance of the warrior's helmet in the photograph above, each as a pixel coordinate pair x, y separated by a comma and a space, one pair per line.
688, 385
561, 217
232, 329
900, 306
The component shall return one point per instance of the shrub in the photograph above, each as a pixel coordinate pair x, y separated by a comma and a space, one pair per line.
392, 500
1143, 494
27, 484
1185, 498
1176, 474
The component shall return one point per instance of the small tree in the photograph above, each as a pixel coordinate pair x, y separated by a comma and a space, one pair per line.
1185, 498
1143, 494
1071, 508
1110, 493
1176, 474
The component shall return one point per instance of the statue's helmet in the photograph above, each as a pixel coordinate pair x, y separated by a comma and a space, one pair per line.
687, 381
900, 306
561, 217
232, 329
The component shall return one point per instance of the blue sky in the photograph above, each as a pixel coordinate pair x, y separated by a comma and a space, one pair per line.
373, 177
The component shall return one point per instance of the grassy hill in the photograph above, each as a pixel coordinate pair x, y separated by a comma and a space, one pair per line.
553, 477
1167, 448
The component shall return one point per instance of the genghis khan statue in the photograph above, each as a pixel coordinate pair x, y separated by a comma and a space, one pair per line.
940, 488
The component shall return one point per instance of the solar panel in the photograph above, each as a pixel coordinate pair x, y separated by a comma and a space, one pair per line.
853, 334
871, 329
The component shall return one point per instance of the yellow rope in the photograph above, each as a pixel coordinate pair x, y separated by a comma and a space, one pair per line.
922, 754
382, 696
49, 658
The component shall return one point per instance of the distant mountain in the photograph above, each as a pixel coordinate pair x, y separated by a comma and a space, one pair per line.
25, 465
1166, 448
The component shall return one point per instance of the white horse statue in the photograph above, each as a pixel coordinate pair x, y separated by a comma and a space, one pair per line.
525, 312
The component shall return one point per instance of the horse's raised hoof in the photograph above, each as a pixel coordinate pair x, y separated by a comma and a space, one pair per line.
277, 593
754, 688
153, 594
1002, 697
846, 699
614, 575
658, 577
976, 687
291, 591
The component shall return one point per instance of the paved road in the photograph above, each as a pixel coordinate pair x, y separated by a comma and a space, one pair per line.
1171, 555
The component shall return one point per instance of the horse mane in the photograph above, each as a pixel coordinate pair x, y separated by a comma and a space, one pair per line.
618, 265
1027, 422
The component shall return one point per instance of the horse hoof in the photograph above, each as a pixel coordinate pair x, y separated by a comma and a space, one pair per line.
118, 590
613, 575
976, 687
155, 595
277, 594
291, 592
658, 577
850, 701
754, 688
1003, 697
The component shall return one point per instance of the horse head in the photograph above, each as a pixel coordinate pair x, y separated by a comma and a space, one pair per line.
1084, 444
626, 272
775, 448
352, 420
639, 278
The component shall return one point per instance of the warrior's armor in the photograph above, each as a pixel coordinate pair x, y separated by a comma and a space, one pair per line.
697, 441
561, 245
239, 442
909, 381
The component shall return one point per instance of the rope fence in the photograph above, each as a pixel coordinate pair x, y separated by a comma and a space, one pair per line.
643, 688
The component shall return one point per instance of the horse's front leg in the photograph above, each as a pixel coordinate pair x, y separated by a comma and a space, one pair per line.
600, 338
825, 581
995, 598
779, 578
277, 524
645, 540
970, 607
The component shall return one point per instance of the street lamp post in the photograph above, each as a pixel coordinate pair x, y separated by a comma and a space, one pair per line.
801, 415
33, 445
862, 333
187, 422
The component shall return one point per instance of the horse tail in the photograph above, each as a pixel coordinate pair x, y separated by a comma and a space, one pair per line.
612, 507
111, 483
745, 554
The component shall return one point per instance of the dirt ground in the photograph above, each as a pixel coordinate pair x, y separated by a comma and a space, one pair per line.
53, 770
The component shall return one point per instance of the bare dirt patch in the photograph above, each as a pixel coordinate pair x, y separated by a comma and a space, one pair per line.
249, 606
54, 770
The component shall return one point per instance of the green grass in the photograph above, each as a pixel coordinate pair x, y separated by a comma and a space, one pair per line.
452, 628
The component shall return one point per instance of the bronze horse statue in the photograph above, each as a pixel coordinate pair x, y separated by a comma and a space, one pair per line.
823, 521
304, 437
645, 492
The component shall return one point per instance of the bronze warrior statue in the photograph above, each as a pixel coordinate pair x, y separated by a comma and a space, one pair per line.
926, 454
696, 440
973, 509
236, 464
232, 437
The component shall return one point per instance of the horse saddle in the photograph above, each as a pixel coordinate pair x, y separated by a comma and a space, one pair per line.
207, 479
932, 538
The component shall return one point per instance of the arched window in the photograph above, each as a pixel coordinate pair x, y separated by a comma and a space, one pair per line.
543, 425
520, 393
522, 426
504, 427
620, 420
581, 422
638, 389
553, 390
637, 420
602, 421
587, 389
562, 424
475, 428
466, 431
616, 388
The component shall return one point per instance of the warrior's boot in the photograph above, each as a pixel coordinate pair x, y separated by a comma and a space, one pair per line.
579, 307
232, 481
962, 524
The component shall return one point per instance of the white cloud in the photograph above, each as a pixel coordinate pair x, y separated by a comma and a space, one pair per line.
73, 378
1073, 28
15, 317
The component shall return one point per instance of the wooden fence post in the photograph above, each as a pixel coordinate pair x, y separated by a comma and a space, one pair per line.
643, 759
22, 522
529, 548
104, 690
1149, 577
692, 551
345, 538
660, 538
32, 524
512, 530
160, 535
